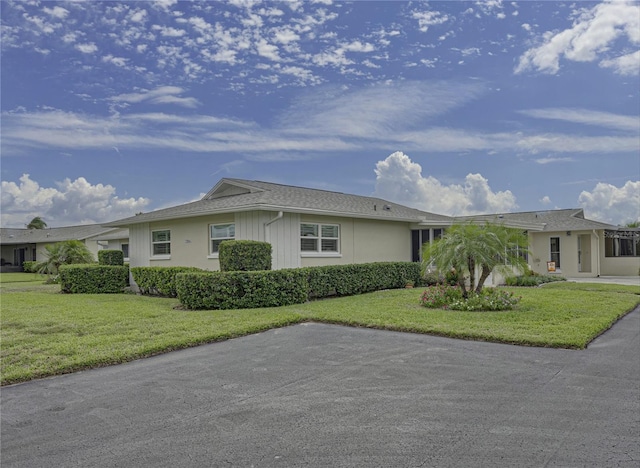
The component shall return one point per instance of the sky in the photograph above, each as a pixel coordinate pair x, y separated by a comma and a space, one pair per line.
453, 107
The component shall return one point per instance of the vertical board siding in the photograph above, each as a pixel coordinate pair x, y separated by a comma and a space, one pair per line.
139, 245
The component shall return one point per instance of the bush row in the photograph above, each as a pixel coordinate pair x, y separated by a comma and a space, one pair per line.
93, 279
241, 289
198, 289
347, 280
159, 281
530, 281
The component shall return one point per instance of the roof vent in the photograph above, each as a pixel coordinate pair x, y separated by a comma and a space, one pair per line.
386, 208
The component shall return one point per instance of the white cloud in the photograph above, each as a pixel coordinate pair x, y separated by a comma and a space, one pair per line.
591, 37
57, 12
168, 31
160, 95
588, 117
546, 200
399, 179
87, 48
267, 50
624, 65
71, 203
429, 18
611, 204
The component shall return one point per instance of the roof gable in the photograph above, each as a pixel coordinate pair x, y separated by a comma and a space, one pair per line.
230, 187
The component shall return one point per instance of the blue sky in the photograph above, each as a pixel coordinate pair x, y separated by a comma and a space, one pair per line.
112, 108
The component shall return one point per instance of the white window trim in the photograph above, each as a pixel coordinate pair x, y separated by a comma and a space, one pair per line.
215, 255
160, 256
320, 253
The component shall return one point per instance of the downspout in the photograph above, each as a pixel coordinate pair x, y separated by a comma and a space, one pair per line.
597, 253
279, 216
267, 236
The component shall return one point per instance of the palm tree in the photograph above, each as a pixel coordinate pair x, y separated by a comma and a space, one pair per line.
469, 247
37, 223
64, 253
511, 246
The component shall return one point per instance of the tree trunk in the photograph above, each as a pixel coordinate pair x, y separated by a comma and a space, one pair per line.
471, 264
486, 271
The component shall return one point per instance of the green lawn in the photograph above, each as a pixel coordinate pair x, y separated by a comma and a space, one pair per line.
46, 333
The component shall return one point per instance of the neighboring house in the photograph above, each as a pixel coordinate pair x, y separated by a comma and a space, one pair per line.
576, 246
20, 245
113, 239
306, 227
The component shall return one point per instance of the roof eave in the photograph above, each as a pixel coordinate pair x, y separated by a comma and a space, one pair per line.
140, 219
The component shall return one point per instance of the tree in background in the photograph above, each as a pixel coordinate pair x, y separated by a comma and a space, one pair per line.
471, 248
37, 223
64, 253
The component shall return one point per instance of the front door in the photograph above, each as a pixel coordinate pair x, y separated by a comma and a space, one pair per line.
584, 253
19, 256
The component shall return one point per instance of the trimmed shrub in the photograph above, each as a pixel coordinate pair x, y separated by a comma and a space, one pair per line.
111, 257
93, 279
30, 267
533, 280
244, 255
159, 281
347, 280
242, 289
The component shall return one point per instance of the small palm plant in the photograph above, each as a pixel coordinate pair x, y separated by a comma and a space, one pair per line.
64, 253
472, 248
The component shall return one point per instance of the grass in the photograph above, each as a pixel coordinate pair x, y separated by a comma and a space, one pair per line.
46, 333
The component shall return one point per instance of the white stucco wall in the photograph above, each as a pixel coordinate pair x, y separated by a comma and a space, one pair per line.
363, 241
540, 248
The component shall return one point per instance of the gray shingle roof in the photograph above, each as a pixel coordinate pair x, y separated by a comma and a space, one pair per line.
232, 195
552, 220
36, 236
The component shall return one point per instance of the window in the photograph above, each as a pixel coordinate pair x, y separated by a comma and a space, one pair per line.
319, 238
219, 233
125, 250
622, 243
555, 250
161, 242
419, 237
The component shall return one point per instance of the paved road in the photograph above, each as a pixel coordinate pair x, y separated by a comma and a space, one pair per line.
316, 395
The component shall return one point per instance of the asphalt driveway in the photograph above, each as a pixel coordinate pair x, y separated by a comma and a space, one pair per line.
318, 395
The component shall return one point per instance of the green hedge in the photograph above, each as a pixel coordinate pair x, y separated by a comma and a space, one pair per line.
233, 290
30, 267
244, 255
93, 279
347, 280
111, 257
159, 281
531, 281
242, 289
